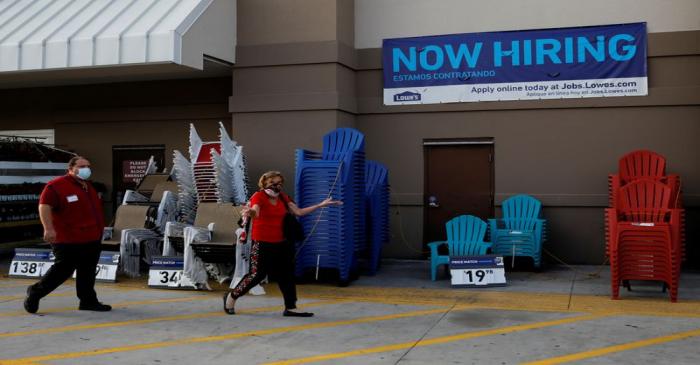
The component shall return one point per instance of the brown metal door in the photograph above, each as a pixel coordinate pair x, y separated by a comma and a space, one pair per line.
459, 179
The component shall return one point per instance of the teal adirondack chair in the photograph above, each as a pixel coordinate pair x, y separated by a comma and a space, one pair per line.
521, 231
465, 237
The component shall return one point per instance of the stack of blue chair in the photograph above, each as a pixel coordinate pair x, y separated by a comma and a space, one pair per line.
339, 235
377, 207
521, 230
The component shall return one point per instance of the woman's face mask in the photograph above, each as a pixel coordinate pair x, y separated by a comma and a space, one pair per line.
273, 189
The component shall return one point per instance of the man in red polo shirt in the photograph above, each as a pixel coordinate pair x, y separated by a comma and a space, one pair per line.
71, 213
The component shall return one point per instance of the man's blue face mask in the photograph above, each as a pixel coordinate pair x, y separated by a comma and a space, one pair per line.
84, 173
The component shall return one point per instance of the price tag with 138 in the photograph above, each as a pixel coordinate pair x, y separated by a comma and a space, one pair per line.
29, 268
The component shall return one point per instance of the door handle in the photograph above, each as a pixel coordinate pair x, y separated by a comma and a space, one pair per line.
433, 202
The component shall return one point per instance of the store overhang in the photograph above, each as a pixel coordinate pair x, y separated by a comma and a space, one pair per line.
66, 42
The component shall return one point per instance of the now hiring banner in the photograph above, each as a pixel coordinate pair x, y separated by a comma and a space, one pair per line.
581, 62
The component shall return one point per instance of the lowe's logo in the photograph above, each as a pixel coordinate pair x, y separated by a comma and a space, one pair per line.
407, 96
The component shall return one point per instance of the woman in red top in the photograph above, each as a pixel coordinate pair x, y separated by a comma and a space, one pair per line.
271, 252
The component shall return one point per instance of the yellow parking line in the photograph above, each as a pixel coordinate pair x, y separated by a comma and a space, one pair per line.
99, 286
116, 305
617, 348
14, 286
69, 293
230, 336
53, 294
511, 300
505, 300
17, 297
22, 282
14, 282
438, 340
152, 320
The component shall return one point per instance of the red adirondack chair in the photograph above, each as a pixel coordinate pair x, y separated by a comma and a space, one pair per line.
644, 236
644, 164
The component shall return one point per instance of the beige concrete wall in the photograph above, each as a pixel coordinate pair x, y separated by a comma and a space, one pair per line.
286, 21
346, 21
294, 82
378, 19
561, 156
271, 138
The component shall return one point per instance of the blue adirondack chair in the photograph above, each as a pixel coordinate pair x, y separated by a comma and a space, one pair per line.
521, 230
465, 237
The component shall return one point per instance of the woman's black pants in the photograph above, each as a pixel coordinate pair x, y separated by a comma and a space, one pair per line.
275, 259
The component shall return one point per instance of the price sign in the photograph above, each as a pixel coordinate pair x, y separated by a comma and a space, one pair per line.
30, 262
25, 268
477, 271
106, 273
167, 272
107, 267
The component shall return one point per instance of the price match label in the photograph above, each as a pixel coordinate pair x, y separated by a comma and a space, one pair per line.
106, 270
477, 271
31, 262
167, 272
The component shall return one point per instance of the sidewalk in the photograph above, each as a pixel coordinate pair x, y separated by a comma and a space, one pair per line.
555, 279
556, 316
575, 280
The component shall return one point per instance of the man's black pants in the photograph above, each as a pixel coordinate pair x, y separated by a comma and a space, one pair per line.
79, 257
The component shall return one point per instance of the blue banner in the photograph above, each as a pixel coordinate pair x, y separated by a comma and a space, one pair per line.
471, 262
109, 258
595, 61
33, 254
167, 262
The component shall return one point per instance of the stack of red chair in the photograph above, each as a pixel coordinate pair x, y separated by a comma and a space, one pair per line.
643, 164
644, 223
204, 174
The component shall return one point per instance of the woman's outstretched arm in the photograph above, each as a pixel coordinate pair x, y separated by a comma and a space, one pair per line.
304, 211
250, 212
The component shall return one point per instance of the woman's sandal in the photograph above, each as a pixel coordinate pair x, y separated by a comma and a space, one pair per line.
228, 310
289, 313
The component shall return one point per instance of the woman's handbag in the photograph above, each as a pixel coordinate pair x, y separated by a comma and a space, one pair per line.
291, 227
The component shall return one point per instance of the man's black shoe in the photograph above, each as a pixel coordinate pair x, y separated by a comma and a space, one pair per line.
31, 303
288, 313
97, 307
